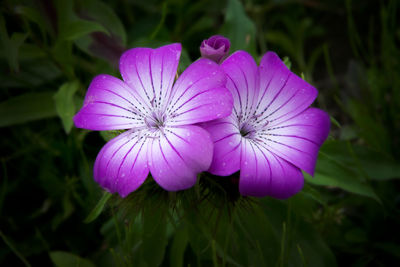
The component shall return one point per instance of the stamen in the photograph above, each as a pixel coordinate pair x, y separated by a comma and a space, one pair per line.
156, 120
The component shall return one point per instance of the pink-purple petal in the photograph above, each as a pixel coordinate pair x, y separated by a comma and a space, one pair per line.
205, 106
241, 71
121, 166
179, 155
151, 72
109, 105
215, 48
199, 95
282, 93
227, 146
264, 174
298, 139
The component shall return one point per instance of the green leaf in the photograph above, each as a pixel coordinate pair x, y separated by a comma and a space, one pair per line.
11, 45
154, 236
66, 259
297, 233
27, 107
178, 247
98, 208
35, 16
239, 28
108, 135
311, 193
371, 128
184, 61
287, 62
65, 106
366, 161
342, 180
335, 122
331, 171
78, 28
106, 16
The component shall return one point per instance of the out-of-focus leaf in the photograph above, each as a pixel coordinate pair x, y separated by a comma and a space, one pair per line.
287, 62
371, 129
200, 25
68, 209
239, 28
335, 122
282, 40
178, 247
11, 46
367, 161
105, 46
32, 73
30, 51
98, 208
254, 239
348, 132
78, 28
108, 135
27, 107
343, 180
154, 237
66, 259
184, 61
103, 14
34, 16
65, 106
356, 235
62, 53
392, 248
310, 192
332, 172
298, 233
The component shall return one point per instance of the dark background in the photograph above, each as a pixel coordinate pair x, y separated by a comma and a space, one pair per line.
347, 215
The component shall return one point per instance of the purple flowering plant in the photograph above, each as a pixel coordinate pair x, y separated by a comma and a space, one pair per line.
272, 133
221, 119
215, 48
159, 116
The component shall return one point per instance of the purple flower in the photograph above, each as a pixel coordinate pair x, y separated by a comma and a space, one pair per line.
159, 117
215, 48
272, 133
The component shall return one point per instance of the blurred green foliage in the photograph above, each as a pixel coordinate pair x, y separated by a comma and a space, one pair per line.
347, 215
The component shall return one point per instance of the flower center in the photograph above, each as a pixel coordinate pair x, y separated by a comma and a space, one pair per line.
247, 130
156, 120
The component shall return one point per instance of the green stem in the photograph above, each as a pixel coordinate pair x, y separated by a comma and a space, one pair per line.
16, 252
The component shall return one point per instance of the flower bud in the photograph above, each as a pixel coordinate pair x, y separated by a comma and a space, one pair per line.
215, 48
